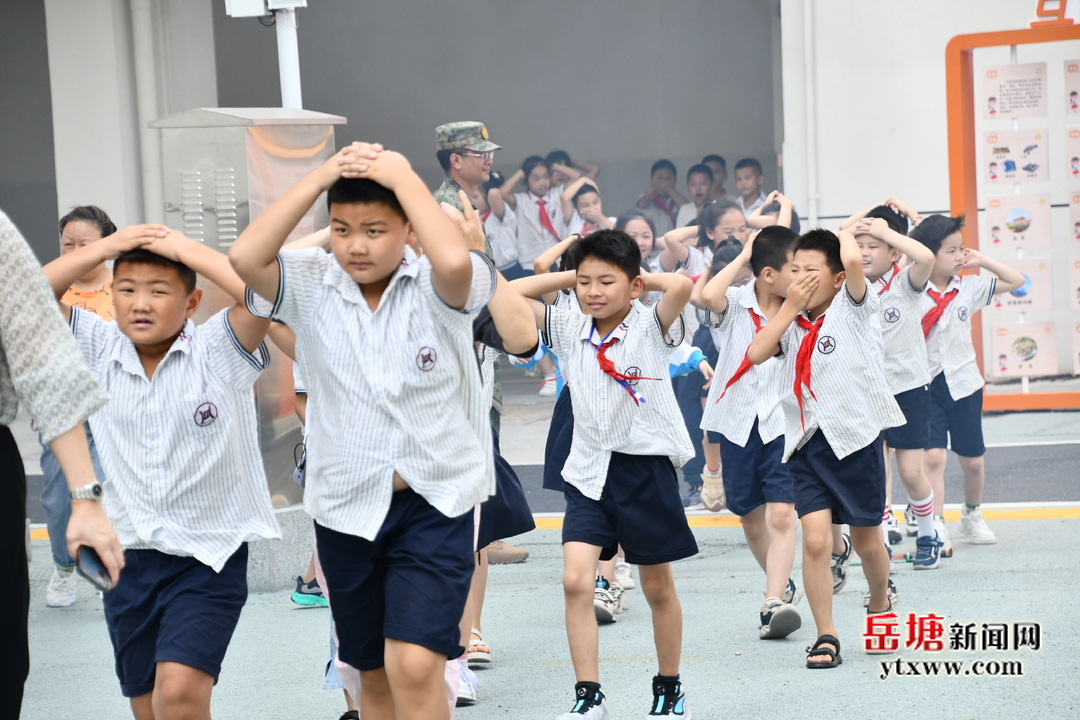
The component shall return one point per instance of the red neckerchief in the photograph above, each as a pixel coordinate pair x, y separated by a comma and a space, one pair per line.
669, 207
934, 314
486, 215
802, 361
545, 221
895, 272
588, 227
609, 367
745, 365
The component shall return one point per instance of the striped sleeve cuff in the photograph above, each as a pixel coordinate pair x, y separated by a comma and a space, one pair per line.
259, 359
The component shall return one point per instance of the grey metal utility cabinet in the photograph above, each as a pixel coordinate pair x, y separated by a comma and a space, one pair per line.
221, 167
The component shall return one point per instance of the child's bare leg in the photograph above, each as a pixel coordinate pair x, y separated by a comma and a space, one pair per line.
658, 585
780, 519
579, 587
474, 605
712, 455
817, 531
935, 472
349, 704
606, 570
142, 706
415, 675
911, 464
838, 546
888, 475
875, 562
376, 701
181, 692
757, 535
309, 575
974, 478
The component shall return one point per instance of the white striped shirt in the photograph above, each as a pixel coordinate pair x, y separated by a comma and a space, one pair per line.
299, 388
948, 346
899, 318
606, 418
532, 237
755, 396
502, 236
181, 450
853, 402
576, 225
394, 390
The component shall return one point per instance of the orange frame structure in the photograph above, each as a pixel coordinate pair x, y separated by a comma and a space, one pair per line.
963, 175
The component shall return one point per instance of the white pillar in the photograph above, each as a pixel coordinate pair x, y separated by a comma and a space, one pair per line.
144, 40
288, 58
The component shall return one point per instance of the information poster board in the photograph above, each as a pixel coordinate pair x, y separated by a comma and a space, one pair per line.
1072, 87
1014, 156
1076, 349
1074, 216
1034, 294
1072, 153
1023, 349
1074, 283
1018, 220
1012, 91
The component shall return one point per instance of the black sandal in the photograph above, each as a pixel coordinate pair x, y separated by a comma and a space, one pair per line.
351, 715
820, 649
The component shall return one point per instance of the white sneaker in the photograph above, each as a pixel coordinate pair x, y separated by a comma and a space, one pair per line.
943, 533
778, 620
621, 603
604, 604
547, 388
467, 682
975, 528
793, 593
625, 575
587, 710
61, 590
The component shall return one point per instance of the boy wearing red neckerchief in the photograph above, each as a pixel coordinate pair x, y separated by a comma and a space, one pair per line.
837, 405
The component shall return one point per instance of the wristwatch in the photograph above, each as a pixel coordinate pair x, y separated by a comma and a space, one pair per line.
92, 491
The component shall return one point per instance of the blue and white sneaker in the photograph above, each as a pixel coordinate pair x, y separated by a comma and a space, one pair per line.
793, 593
839, 565
589, 705
777, 619
668, 702
467, 682
927, 552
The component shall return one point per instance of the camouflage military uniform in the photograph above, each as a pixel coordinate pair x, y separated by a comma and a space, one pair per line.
468, 136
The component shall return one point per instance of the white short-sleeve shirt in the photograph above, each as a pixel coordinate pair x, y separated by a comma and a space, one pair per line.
606, 417
948, 346
756, 395
576, 225
687, 212
396, 389
180, 450
899, 319
502, 235
534, 238
851, 402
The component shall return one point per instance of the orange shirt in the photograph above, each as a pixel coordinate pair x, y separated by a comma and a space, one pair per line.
98, 302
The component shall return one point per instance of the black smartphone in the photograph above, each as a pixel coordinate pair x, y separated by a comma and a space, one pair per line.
90, 567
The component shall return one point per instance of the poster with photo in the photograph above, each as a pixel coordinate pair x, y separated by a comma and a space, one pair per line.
1014, 156
1023, 349
1074, 283
1072, 152
1034, 294
1076, 349
1018, 220
1072, 87
1074, 216
1012, 91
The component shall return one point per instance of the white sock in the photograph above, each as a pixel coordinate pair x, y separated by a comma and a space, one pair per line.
924, 514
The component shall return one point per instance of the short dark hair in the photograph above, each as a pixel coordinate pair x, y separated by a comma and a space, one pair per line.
710, 214
749, 163
715, 159
610, 246
771, 248
558, 156
584, 190
91, 214
663, 165
142, 256
622, 220
444, 158
825, 242
773, 208
933, 230
896, 221
361, 191
531, 163
723, 256
700, 168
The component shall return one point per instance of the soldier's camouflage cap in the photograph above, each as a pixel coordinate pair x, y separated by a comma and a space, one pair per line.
467, 135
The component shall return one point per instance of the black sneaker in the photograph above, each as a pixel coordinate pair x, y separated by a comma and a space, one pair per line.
309, 594
669, 702
692, 499
590, 704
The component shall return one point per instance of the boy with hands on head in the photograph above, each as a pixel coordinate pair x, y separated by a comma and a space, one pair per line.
834, 418
399, 442
179, 445
628, 437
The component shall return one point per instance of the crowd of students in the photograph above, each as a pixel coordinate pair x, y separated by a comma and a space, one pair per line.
779, 370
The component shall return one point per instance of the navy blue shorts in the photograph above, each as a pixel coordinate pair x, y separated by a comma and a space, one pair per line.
713, 437
168, 608
506, 513
853, 488
955, 424
639, 509
409, 584
560, 437
915, 433
755, 474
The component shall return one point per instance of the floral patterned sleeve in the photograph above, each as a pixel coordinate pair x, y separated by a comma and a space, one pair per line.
40, 363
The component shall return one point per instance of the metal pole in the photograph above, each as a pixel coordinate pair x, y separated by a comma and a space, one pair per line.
288, 58
146, 99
